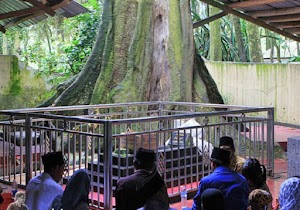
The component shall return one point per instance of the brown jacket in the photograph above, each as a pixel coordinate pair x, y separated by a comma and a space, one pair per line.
133, 191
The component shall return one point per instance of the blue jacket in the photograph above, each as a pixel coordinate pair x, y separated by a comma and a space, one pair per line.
233, 185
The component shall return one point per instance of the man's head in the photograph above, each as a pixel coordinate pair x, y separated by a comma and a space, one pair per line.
226, 143
220, 157
54, 164
145, 159
212, 199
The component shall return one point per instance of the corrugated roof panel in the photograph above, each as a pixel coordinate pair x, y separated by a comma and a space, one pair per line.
7, 6
73, 9
12, 5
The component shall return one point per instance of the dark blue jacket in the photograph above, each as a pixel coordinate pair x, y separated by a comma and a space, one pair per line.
233, 185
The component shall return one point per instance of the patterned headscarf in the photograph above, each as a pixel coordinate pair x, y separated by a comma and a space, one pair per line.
259, 199
289, 194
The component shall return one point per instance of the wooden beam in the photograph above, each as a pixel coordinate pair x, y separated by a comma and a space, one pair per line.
281, 18
275, 12
19, 13
209, 19
295, 30
251, 19
253, 3
17, 21
289, 24
42, 6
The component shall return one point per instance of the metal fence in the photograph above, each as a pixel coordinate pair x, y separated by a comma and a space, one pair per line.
104, 138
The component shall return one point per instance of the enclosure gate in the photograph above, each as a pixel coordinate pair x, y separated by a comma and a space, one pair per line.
103, 139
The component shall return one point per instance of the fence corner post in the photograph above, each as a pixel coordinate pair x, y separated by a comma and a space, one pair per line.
28, 148
107, 194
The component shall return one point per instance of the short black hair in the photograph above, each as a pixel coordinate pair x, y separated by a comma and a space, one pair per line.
53, 159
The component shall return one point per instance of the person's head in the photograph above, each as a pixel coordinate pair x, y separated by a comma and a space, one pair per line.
259, 199
20, 197
220, 157
77, 190
54, 164
254, 172
144, 159
289, 194
212, 199
226, 142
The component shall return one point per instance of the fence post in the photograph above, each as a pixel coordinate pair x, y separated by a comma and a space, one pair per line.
270, 142
28, 148
107, 194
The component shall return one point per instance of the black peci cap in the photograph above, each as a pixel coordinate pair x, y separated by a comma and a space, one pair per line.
226, 140
221, 155
145, 155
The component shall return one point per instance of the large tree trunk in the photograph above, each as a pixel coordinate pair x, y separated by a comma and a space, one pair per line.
144, 52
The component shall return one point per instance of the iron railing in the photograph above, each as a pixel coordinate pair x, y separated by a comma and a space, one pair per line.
104, 138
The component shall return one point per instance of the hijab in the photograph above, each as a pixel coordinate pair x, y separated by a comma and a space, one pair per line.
289, 194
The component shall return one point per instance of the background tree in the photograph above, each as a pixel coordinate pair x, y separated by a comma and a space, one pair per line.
239, 38
215, 51
254, 43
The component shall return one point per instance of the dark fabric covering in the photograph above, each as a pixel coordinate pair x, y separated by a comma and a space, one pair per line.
76, 193
212, 199
133, 191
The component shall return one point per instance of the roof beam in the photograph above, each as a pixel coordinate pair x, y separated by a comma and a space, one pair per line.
289, 24
19, 13
252, 3
295, 30
17, 21
251, 19
275, 12
209, 19
42, 6
281, 18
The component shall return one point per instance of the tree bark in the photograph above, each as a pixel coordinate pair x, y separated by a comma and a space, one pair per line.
215, 47
239, 38
254, 43
144, 51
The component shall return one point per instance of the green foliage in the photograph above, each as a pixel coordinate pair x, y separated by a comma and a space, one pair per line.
59, 47
294, 59
80, 48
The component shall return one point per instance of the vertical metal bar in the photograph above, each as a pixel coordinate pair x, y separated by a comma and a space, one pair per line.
270, 140
107, 195
28, 148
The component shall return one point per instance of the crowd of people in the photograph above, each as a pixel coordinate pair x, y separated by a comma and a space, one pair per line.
234, 184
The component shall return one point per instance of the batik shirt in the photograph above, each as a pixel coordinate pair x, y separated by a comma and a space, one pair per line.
289, 194
236, 163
